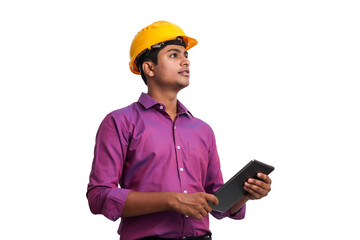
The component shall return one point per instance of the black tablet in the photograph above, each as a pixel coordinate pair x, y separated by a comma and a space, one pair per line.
232, 191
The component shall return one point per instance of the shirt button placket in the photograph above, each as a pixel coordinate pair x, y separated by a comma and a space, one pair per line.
179, 162
180, 169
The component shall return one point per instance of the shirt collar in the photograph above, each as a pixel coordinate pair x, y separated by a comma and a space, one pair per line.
182, 109
149, 102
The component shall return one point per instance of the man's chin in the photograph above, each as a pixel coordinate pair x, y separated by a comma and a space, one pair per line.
183, 85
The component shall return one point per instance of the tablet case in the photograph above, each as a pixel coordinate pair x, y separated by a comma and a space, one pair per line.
232, 191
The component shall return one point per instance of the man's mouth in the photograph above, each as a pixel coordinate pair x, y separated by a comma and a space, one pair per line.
185, 72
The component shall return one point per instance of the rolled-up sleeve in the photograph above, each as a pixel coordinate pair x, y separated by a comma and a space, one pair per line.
103, 192
238, 215
214, 180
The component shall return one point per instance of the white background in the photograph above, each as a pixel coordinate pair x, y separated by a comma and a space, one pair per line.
277, 81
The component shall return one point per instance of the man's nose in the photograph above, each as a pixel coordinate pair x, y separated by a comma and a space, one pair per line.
185, 61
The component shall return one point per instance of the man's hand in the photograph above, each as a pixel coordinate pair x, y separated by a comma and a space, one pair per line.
193, 205
258, 189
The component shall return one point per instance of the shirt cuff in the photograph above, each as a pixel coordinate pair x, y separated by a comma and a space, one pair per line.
114, 206
238, 215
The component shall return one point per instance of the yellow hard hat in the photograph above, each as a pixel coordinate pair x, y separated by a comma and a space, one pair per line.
155, 33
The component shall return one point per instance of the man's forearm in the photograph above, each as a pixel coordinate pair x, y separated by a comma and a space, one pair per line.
194, 205
237, 206
141, 203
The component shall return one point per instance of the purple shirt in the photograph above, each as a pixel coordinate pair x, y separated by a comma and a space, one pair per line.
142, 149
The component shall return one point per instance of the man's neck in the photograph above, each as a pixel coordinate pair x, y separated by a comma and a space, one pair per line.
169, 99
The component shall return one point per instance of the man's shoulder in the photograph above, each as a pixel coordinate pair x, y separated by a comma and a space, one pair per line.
123, 115
125, 111
201, 124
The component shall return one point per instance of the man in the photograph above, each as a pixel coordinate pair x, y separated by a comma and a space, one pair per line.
164, 159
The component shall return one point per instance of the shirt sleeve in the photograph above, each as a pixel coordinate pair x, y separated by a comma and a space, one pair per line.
103, 194
214, 180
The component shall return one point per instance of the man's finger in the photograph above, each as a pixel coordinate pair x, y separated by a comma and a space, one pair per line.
254, 194
262, 190
264, 177
208, 208
203, 212
259, 183
212, 198
200, 214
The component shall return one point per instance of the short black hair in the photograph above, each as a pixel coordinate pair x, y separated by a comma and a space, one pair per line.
152, 55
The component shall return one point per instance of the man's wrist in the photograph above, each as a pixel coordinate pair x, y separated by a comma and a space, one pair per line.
238, 206
172, 201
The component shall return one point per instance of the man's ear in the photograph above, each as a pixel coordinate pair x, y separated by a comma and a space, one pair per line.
148, 67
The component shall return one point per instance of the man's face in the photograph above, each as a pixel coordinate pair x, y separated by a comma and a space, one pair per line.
172, 70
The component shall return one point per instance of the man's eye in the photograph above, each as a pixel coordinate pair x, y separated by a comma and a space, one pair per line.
173, 55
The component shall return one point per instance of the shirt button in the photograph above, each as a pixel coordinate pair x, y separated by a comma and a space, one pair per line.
187, 216
161, 107
181, 169
185, 191
178, 147
174, 127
